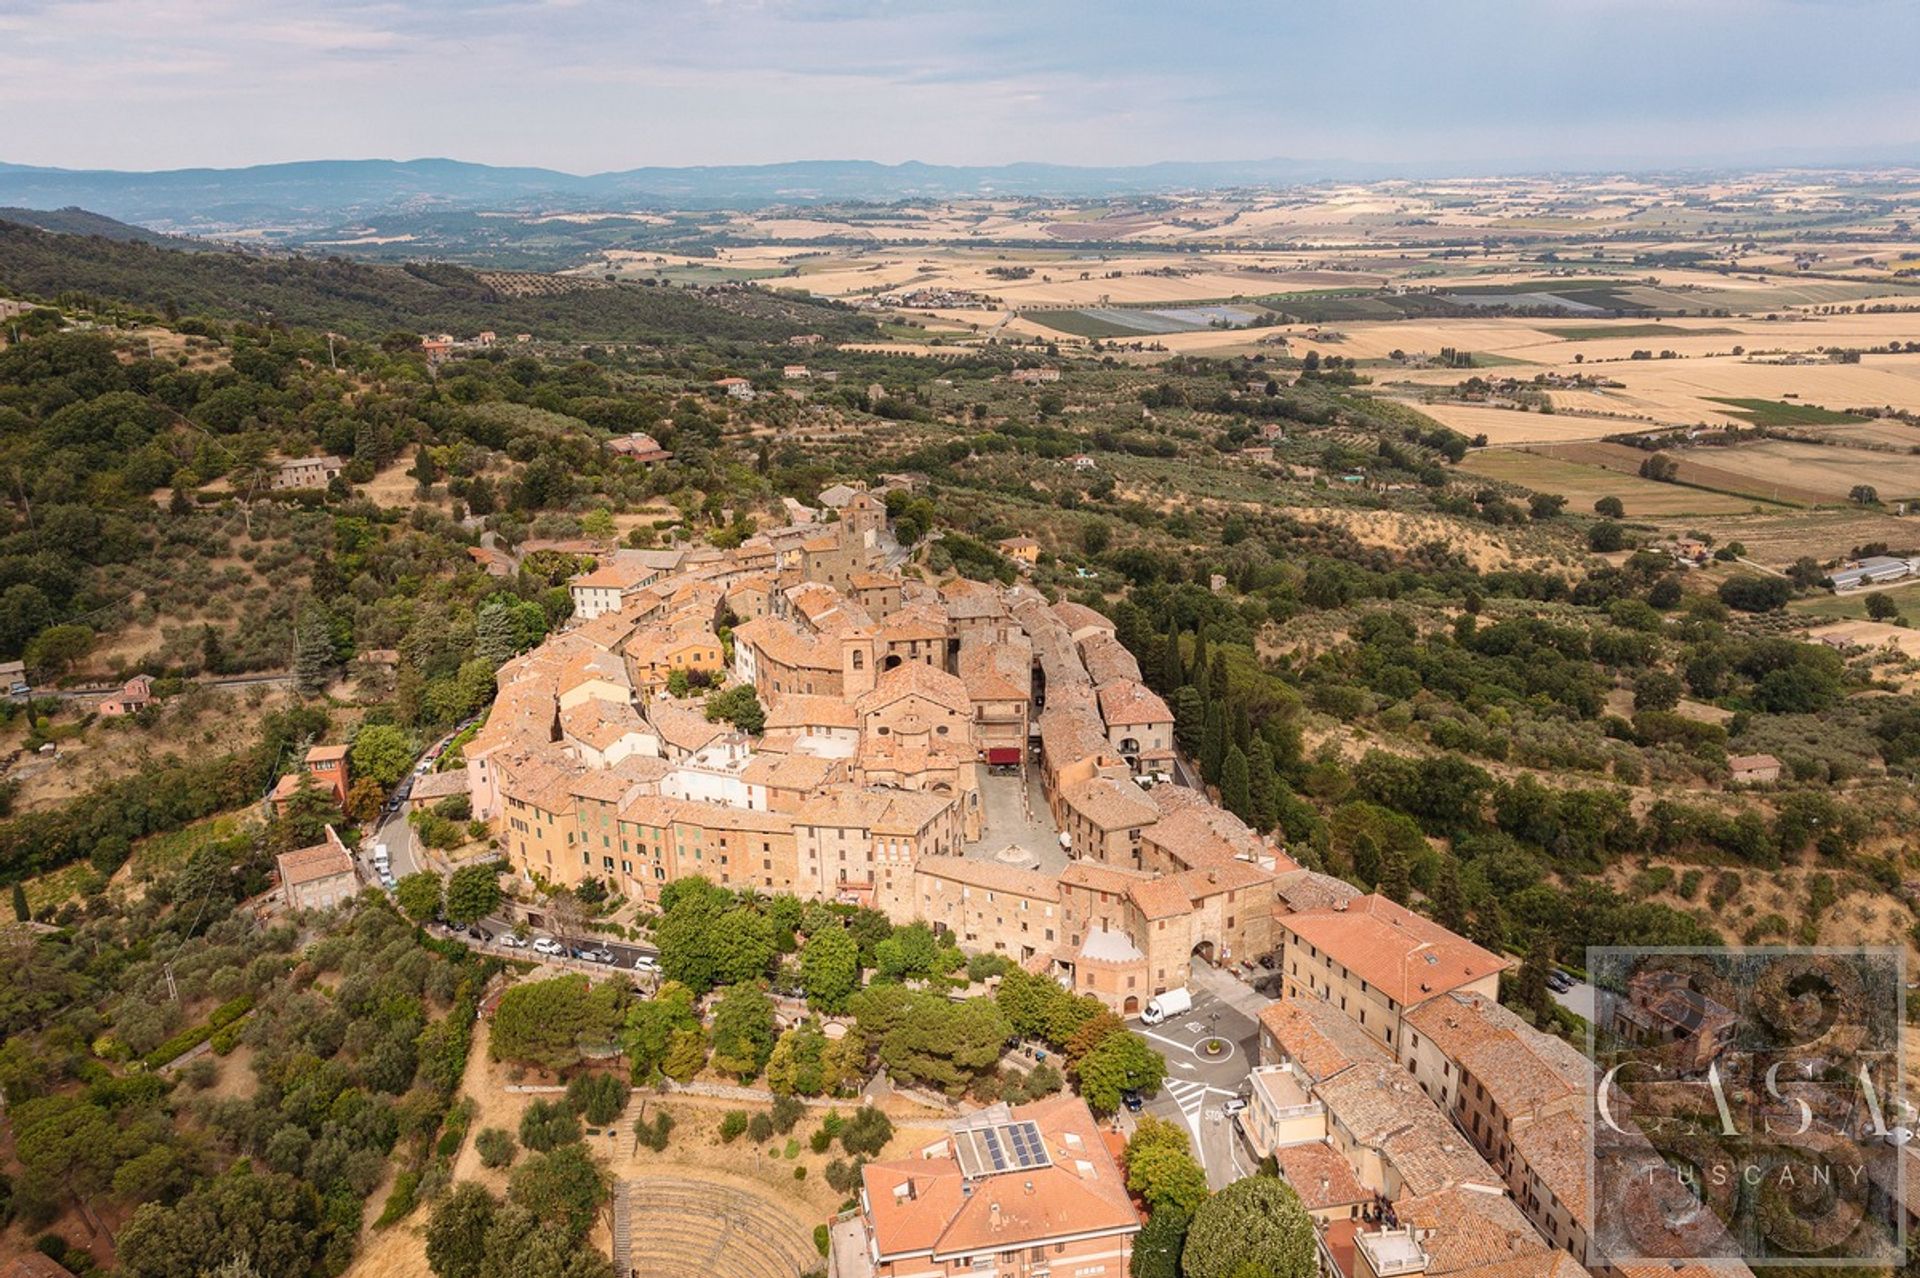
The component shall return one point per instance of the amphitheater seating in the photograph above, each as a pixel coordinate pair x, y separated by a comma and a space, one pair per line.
674, 1228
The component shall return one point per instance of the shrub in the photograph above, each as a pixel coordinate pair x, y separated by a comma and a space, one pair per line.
732, 1125
800, 1173
599, 1098
844, 1176
867, 1132
822, 1236
401, 1201
760, 1129
547, 1125
793, 1147
820, 1141
495, 1147
653, 1134
787, 1111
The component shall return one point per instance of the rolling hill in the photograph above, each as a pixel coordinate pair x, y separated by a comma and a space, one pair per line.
368, 300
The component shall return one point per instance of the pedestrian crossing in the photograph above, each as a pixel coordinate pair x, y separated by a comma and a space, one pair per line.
1190, 1096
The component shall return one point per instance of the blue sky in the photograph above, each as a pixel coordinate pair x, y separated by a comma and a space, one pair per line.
590, 85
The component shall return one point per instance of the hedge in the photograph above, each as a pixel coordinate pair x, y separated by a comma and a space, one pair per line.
225, 1016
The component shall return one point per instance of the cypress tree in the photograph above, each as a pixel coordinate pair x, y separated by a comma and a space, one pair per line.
1213, 744
1395, 884
1242, 728
1262, 787
20, 910
1235, 785
1189, 718
1449, 902
1530, 985
1199, 652
1173, 672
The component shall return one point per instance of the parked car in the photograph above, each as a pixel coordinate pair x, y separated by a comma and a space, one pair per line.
646, 963
511, 941
1234, 1105
479, 934
1133, 1101
387, 881
595, 954
547, 945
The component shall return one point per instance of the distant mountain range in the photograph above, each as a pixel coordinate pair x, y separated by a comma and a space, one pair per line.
315, 192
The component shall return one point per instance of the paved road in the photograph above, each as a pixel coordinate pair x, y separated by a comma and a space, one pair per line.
624, 953
407, 855
76, 694
1198, 1083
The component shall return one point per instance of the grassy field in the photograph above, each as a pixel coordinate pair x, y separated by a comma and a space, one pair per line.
163, 852
1853, 607
1583, 484
59, 885
1768, 412
1080, 324
1830, 471
1699, 472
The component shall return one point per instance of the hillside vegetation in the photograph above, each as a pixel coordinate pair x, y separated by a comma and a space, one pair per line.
367, 301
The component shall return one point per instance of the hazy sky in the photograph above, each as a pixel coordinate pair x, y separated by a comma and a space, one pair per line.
591, 85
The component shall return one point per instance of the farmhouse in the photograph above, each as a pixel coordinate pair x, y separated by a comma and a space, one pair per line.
135, 695
1024, 549
327, 765
640, 446
307, 472
1034, 376
319, 877
1754, 769
736, 388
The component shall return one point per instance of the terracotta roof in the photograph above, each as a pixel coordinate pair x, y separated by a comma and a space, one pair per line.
599, 724
1160, 898
616, 575
1110, 804
805, 710
439, 785
1409, 958
929, 1205
1124, 701
681, 728
1107, 659
1320, 1175
1468, 1231
1318, 1037
320, 754
1559, 1150
1379, 1105
916, 678
321, 861
1299, 890
990, 875
1077, 616
1523, 1070
1748, 762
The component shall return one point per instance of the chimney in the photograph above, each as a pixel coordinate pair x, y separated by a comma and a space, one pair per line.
993, 1216
1029, 1187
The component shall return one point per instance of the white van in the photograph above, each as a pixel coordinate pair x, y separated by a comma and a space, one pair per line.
1161, 1006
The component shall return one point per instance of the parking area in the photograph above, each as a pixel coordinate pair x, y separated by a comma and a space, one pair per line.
1201, 1080
493, 934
